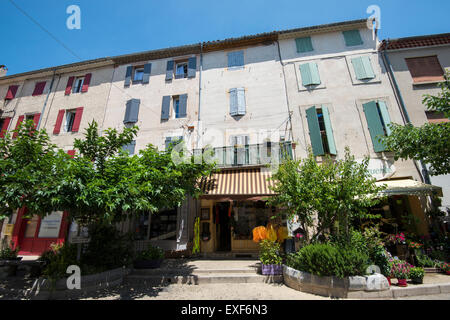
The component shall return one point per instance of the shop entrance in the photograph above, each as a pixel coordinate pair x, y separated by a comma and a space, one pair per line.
223, 226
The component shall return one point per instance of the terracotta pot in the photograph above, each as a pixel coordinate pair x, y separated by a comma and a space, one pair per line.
389, 280
447, 272
402, 283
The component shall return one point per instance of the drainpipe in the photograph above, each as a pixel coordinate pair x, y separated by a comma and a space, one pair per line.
424, 175
46, 99
199, 94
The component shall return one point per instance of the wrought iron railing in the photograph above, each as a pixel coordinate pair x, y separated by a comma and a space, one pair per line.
251, 154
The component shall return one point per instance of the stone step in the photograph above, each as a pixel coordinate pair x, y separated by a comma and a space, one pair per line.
196, 279
196, 271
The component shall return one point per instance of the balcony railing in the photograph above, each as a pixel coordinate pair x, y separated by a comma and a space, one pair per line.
252, 154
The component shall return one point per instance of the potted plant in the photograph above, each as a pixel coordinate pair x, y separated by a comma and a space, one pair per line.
150, 258
400, 270
9, 260
445, 267
270, 258
416, 274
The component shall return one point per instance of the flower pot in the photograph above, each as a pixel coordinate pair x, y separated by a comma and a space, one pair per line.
417, 280
447, 272
147, 264
271, 269
389, 280
402, 283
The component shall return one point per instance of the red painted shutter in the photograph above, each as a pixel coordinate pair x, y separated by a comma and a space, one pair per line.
77, 120
39, 88
5, 127
59, 120
36, 119
71, 153
69, 85
19, 121
12, 90
86, 82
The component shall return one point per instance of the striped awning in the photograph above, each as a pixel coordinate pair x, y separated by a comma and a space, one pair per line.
237, 184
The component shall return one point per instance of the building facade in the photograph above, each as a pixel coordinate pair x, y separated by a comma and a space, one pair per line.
251, 101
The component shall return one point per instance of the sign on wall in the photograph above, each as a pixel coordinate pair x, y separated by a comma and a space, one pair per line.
380, 169
50, 225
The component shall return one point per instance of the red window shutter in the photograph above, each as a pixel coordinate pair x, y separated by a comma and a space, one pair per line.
12, 90
36, 119
71, 153
77, 120
86, 82
59, 120
39, 88
19, 121
4, 127
69, 85
424, 69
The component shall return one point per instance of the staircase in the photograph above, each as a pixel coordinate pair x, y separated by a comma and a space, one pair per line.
200, 272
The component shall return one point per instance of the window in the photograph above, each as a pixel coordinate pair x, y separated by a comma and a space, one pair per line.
130, 147
70, 118
29, 117
176, 107
352, 38
132, 111
163, 225
310, 74
78, 85
237, 102
436, 117
363, 68
181, 70
378, 121
39, 88
138, 75
320, 131
172, 141
304, 44
240, 146
236, 59
425, 69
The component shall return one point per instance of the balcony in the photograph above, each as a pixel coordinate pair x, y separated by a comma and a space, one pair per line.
249, 155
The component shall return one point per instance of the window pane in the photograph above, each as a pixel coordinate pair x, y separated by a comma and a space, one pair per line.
164, 225
30, 230
176, 104
138, 74
50, 225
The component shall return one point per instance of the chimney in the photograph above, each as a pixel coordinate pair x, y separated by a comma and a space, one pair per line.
3, 70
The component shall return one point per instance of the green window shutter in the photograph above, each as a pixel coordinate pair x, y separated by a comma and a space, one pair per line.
375, 125
352, 38
314, 131
385, 116
363, 68
329, 130
304, 44
310, 74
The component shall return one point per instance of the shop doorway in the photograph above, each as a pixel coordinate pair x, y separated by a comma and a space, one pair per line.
223, 226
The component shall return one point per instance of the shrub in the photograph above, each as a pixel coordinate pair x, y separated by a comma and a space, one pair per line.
7, 253
329, 260
445, 267
425, 261
57, 261
152, 253
416, 273
401, 269
107, 248
270, 252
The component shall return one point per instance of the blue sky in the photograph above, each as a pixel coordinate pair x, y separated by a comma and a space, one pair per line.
114, 27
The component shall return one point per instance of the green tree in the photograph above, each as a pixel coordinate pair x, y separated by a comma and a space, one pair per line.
336, 192
428, 143
31, 170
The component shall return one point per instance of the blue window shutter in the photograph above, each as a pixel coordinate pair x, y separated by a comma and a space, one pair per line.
310, 74
168, 142
314, 131
130, 147
165, 109
352, 38
233, 102
147, 71
169, 70
304, 44
368, 67
241, 101
385, 116
192, 67
329, 130
375, 125
128, 76
235, 59
132, 111
183, 106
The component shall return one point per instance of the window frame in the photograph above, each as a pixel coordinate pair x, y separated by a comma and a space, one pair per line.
135, 70
75, 88
66, 124
185, 64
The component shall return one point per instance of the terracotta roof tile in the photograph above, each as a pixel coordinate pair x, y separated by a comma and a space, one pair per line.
414, 42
